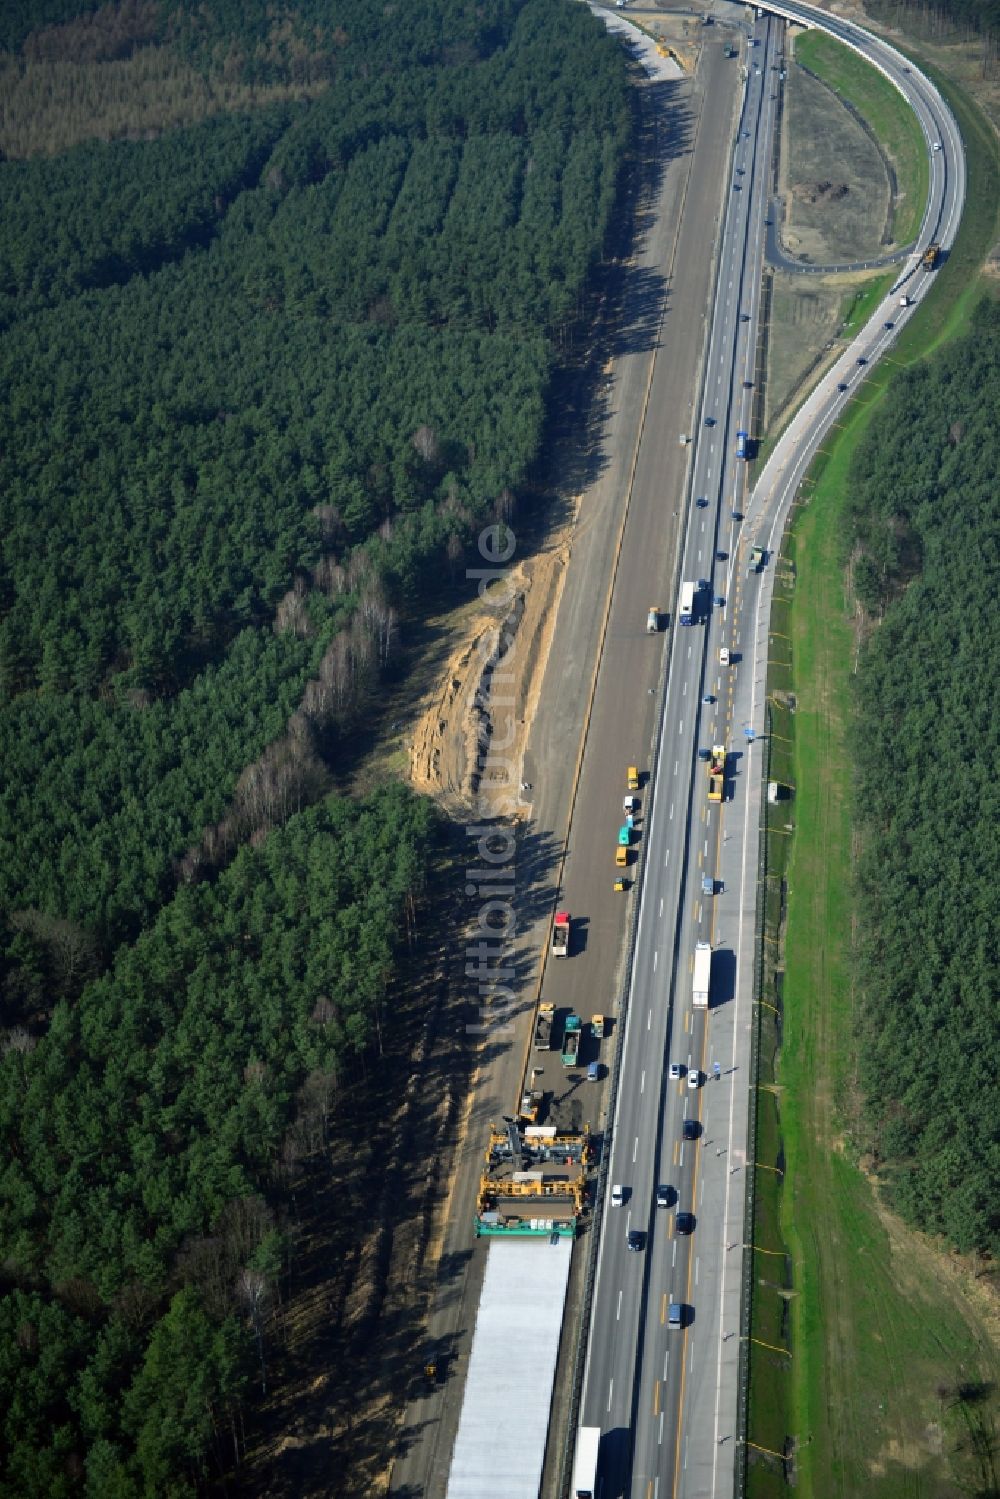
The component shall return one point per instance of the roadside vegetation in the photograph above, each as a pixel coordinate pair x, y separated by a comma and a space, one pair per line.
263, 381
875, 1363
890, 118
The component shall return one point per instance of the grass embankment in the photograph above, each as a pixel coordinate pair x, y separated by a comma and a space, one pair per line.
891, 119
861, 1336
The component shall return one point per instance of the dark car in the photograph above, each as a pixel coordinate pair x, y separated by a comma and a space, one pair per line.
691, 1129
737, 187
634, 1239
705, 754
841, 384
861, 359
701, 502
708, 698
664, 1196
744, 317
721, 556
748, 385
736, 514
710, 421
719, 601
887, 326
684, 1223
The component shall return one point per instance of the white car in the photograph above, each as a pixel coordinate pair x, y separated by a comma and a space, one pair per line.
936, 146
617, 1197
694, 1078
676, 1071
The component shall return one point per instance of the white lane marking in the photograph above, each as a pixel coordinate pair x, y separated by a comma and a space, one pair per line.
684, 690
611, 1389
680, 728
656, 955
706, 848
689, 653
676, 763
696, 1266
656, 1483
642, 1082
666, 1361
671, 811
661, 898
635, 1149
673, 1257
691, 1359
649, 1021
618, 1314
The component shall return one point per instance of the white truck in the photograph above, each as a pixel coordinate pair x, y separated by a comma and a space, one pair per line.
702, 975
588, 1444
653, 620
687, 604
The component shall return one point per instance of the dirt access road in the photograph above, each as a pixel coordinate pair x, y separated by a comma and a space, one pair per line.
622, 558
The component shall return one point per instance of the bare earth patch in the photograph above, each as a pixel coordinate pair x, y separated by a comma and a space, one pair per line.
468, 738
834, 180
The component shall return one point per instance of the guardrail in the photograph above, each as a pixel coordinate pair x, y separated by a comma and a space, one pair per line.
749, 1201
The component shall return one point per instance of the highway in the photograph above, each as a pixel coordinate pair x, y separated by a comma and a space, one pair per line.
666, 1400
639, 1400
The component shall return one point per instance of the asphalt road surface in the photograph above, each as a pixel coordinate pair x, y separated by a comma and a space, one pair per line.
663, 1395
666, 1399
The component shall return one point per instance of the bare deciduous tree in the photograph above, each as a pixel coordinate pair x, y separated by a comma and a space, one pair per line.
426, 443
329, 576
292, 615
18, 1039
252, 1290
504, 507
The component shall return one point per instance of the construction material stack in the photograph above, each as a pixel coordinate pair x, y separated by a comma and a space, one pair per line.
543, 1027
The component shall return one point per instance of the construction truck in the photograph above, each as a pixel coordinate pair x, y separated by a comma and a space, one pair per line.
543, 1027
632, 778
930, 257
560, 935
702, 975
621, 857
624, 835
717, 773
588, 1446
597, 1026
572, 1032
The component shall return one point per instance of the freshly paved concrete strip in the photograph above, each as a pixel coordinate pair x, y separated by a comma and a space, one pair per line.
500, 1446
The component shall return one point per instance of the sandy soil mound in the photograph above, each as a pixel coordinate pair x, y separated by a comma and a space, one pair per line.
467, 745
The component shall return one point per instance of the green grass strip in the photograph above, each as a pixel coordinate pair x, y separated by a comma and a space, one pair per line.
877, 1340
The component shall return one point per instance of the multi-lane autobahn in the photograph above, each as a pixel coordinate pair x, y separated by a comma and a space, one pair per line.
639, 1369
666, 1397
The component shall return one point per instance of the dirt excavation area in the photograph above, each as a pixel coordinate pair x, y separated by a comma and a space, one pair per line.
467, 736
